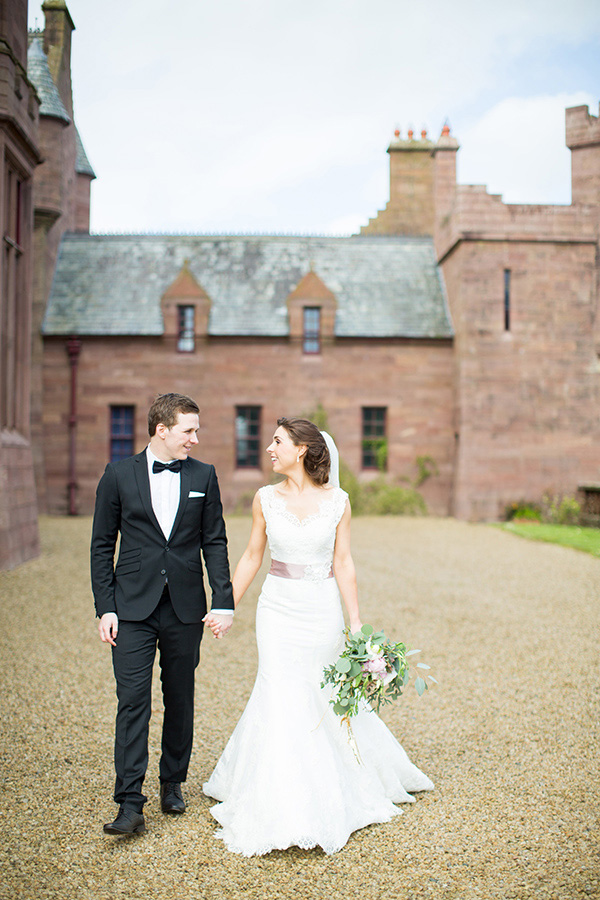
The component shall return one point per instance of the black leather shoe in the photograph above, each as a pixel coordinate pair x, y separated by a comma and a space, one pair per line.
171, 798
128, 821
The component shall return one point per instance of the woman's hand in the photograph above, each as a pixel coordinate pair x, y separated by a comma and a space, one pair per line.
355, 625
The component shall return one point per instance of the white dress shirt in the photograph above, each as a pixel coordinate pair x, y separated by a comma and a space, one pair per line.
165, 493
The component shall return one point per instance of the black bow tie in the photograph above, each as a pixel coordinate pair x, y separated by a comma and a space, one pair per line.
170, 467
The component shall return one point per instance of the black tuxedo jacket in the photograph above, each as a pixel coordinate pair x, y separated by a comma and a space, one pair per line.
147, 559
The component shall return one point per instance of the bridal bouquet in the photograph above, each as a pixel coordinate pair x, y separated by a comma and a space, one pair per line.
370, 668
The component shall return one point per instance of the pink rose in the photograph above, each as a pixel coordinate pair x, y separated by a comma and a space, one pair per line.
376, 665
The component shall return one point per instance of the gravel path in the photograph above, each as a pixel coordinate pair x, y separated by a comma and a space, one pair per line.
510, 736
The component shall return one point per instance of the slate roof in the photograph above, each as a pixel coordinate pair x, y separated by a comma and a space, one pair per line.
82, 163
39, 75
112, 285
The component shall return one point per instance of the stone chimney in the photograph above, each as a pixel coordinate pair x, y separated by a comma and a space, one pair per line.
57, 47
444, 157
410, 209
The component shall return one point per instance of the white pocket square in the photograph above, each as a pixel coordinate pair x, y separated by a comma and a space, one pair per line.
196, 494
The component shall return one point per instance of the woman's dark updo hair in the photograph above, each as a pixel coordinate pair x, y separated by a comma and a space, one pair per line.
317, 461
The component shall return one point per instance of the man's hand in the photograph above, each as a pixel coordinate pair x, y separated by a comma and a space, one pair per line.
108, 628
219, 625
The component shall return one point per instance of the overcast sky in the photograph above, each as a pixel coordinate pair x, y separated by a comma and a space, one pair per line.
274, 115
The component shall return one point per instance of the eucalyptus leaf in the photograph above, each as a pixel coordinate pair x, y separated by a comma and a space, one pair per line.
412, 652
423, 666
431, 678
367, 630
343, 665
420, 686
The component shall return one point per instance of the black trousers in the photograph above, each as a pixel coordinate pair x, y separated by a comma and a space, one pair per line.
133, 661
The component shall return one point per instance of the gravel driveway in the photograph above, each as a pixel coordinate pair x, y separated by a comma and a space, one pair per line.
510, 736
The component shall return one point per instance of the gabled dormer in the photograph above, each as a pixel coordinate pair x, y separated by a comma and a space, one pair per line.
185, 307
311, 311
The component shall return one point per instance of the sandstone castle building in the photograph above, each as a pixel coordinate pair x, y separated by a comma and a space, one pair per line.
454, 326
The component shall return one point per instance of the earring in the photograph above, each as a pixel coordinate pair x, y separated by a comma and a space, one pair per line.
298, 458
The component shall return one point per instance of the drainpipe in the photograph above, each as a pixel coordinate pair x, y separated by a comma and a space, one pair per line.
73, 349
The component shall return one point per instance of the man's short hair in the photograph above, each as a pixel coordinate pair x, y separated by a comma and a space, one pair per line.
166, 408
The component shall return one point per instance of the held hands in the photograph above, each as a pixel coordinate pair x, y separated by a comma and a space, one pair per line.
108, 628
219, 625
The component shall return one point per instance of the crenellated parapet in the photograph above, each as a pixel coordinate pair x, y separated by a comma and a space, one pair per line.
583, 140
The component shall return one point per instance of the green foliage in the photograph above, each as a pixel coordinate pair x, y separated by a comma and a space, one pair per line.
318, 416
377, 447
523, 510
380, 498
554, 509
350, 483
560, 510
370, 669
585, 539
381, 454
426, 467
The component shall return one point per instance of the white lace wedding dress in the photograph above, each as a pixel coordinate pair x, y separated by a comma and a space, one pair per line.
289, 775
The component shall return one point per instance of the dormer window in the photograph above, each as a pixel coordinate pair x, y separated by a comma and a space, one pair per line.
311, 329
186, 330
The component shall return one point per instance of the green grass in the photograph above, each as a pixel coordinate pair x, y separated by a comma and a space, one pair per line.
579, 538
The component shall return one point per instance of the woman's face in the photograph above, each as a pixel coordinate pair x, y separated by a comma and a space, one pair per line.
283, 452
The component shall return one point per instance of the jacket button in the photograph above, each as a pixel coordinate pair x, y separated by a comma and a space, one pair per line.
167, 547
163, 571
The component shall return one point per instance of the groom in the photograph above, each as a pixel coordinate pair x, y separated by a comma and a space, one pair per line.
167, 509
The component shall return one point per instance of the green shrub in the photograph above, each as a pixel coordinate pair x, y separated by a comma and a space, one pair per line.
560, 510
379, 497
523, 510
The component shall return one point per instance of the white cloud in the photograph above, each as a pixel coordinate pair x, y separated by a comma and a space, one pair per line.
517, 149
261, 115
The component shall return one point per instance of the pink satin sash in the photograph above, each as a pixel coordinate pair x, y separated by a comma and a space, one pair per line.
291, 570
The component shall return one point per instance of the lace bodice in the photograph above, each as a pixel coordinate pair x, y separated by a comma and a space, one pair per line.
308, 541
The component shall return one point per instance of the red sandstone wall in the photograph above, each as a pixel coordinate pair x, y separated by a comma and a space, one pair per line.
527, 399
413, 380
18, 152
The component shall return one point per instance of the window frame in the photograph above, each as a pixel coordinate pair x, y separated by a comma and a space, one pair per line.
311, 336
251, 414
374, 437
186, 335
120, 437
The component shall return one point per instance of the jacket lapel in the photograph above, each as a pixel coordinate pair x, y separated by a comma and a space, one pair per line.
143, 482
185, 479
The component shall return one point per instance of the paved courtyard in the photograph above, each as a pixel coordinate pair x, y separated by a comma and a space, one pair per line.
510, 736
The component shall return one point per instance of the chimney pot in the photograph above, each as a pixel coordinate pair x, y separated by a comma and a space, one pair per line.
410, 134
424, 134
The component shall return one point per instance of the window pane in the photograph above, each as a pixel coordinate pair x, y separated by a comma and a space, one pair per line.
374, 442
247, 437
311, 329
186, 328
121, 432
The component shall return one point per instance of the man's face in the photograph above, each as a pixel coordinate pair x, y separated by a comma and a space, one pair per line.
178, 441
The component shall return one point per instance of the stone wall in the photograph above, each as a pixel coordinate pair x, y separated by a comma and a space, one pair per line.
18, 157
413, 379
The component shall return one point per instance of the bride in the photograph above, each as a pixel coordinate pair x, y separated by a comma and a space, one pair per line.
288, 775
